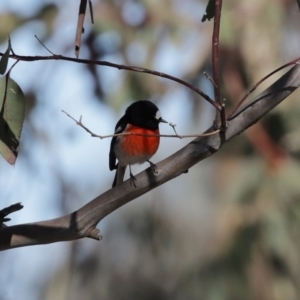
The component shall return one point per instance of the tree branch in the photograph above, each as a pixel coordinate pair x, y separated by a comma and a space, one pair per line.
176, 135
82, 223
118, 66
293, 62
220, 120
215, 51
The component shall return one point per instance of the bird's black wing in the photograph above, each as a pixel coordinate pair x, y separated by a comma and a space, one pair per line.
121, 125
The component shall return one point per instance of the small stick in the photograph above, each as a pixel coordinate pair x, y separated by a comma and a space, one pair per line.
44, 45
176, 135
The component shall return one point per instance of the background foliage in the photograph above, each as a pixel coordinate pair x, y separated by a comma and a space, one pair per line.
229, 229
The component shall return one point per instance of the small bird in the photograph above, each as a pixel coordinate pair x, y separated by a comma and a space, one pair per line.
142, 117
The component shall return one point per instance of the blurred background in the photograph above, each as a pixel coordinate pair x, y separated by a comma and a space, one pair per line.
229, 229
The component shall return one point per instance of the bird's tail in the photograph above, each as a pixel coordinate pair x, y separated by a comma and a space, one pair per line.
119, 176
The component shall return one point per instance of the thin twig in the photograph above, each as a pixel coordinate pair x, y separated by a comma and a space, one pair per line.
11, 49
176, 135
215, 50
220, 115
44, 45
120, 67
293, 62
91, 11
210, 79
173, 126
12, 67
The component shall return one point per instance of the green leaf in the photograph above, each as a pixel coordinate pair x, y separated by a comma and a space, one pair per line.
12, 114
4, 59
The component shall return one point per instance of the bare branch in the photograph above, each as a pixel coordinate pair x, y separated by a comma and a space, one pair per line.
79, 123
82, 223
43, 45
120, 67
293, 62
91, 11
220, 119
210, 79
215, 50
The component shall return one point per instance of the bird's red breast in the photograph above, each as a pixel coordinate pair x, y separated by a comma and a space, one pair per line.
135, 145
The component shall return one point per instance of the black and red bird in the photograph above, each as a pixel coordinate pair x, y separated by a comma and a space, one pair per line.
141, 117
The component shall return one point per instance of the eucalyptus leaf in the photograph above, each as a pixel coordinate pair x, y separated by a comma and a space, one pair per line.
12, 114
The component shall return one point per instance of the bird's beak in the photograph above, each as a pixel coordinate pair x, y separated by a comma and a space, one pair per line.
161, 120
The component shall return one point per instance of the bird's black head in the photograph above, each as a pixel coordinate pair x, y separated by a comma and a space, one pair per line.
145, 114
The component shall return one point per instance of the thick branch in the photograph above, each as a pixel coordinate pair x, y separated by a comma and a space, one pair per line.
82, 222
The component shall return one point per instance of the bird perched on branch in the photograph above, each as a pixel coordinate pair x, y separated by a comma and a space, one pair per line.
141, 117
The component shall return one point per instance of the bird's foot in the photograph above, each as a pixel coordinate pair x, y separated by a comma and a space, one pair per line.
132, 180
153, 167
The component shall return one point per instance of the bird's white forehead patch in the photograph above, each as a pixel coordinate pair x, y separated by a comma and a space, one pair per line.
157, 115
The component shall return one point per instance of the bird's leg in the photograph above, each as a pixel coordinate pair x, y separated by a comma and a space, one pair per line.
132, 178
153, 166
